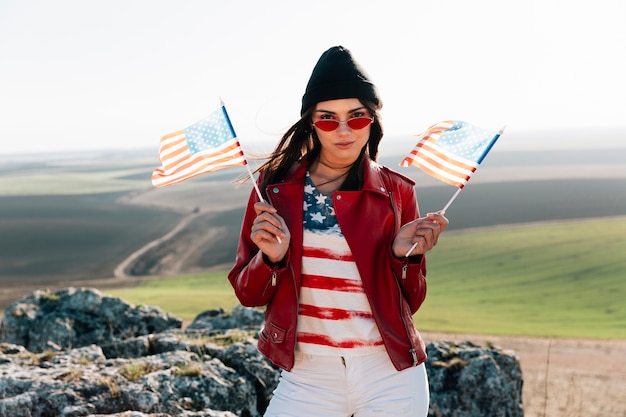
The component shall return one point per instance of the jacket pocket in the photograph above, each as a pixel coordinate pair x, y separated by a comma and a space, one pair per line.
274, 333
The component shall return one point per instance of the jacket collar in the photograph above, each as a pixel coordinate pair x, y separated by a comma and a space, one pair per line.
372, 175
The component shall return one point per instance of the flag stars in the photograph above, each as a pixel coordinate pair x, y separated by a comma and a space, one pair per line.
309, 188
321, 199
208, 133
464, 140
318, 217
319, 213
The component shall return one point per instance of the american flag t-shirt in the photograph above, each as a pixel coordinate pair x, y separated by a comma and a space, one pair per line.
334, 316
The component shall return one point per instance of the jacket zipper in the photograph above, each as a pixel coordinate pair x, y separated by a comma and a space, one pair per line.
274, 272
405, 267
272, 281
406, 329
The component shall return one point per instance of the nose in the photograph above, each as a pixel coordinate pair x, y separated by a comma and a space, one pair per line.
343, 128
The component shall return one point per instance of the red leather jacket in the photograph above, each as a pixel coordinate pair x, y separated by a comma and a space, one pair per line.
369, 220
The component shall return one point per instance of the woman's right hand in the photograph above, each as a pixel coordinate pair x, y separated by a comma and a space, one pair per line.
270, 233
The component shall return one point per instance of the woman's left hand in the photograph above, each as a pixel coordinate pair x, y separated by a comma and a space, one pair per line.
424, 231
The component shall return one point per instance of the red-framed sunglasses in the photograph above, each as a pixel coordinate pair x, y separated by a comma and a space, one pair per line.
356, 123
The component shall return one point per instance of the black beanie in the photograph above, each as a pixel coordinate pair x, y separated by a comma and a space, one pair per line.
337, 75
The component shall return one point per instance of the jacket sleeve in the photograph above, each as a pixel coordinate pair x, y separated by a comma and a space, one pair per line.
410, 271
253, 277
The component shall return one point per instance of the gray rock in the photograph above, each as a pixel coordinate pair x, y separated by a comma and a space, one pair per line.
78, 317
468, 380
83, 364
239, 318
82, 382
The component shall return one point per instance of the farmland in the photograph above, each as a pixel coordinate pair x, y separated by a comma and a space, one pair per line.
46, 238
77, 219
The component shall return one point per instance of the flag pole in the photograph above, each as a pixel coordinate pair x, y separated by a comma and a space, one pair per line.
256, 187
443, 210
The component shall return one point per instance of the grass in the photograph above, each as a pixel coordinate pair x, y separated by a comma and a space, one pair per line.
133, 371
554, 279
184, 296
65, 181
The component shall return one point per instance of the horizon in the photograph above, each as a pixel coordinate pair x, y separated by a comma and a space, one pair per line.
391, 145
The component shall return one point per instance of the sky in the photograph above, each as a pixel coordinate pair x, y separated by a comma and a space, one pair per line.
119, 74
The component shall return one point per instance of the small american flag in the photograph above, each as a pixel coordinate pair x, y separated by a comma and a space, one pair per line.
205, 146
451, 151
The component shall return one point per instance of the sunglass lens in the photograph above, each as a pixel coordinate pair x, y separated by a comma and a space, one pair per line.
327, 125
359, 122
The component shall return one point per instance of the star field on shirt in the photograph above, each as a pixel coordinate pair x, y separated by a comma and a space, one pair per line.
451, 151
205, 146
319, 213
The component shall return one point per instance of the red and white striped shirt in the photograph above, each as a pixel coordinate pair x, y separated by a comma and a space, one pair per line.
335, 317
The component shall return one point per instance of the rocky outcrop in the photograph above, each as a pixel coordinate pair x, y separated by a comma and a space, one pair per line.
137, 362
469, 380
73, 318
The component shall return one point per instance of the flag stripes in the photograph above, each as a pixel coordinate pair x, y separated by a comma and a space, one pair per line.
318, 339
323, 253
332, 284
440, 164
327, 313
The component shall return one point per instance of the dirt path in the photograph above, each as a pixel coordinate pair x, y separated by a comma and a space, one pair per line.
120, 270
564, 377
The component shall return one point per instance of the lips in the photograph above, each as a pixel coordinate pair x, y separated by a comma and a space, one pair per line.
344, 144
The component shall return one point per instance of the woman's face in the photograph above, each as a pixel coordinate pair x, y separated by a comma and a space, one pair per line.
342, 146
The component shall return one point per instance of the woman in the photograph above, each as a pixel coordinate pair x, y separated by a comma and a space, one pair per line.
326, 254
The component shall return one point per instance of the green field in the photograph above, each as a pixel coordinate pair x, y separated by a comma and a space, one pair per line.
556, 279
560, 279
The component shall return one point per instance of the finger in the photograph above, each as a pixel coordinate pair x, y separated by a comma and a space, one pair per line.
262, 235
271, 219
427, 227
420, 245
271, 226
433, 234
261, 207
439, 218
428, 232
426, 236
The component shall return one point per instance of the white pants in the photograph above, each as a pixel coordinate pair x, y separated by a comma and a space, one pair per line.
362, 386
